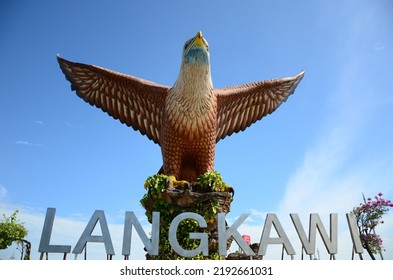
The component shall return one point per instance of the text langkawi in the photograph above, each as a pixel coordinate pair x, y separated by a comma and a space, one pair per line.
224, 232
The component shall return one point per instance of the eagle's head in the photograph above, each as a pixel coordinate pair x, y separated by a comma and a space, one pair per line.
194, 77
196, 50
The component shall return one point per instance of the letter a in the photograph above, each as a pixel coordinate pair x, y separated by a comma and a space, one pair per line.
271, 219
86, 236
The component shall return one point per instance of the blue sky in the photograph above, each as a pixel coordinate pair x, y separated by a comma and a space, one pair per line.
329, 143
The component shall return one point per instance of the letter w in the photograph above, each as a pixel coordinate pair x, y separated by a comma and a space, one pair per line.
315, 222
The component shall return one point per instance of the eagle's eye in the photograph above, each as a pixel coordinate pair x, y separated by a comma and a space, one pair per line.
187, 44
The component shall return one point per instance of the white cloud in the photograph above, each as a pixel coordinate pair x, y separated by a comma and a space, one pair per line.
39, 122
71, 125
22, 142
332, 179
337, 169
335, 172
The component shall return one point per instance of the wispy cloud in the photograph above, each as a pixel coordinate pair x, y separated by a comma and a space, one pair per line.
344, 160
335, 171
70, 125
379, 47
39, 122
74, 126
27, 143
3, 192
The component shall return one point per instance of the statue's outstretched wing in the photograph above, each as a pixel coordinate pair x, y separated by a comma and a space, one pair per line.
240, 106
135, 102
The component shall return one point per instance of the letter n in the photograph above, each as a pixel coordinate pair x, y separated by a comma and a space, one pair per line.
150, 245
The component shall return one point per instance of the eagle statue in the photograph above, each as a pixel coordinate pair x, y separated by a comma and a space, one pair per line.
187, 119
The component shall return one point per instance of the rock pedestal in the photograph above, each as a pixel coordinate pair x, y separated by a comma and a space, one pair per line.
172, 202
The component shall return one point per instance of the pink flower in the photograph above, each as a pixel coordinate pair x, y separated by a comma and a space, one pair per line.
380, 194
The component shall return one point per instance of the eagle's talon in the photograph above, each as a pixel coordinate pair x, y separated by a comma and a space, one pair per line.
230, 190
171, 182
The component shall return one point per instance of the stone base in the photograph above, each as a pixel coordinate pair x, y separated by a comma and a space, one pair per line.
188, 200
172, 202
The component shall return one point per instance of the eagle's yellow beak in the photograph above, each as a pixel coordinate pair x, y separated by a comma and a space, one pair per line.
199, 39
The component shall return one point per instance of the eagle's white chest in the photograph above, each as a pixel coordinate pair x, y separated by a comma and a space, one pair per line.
191, 104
